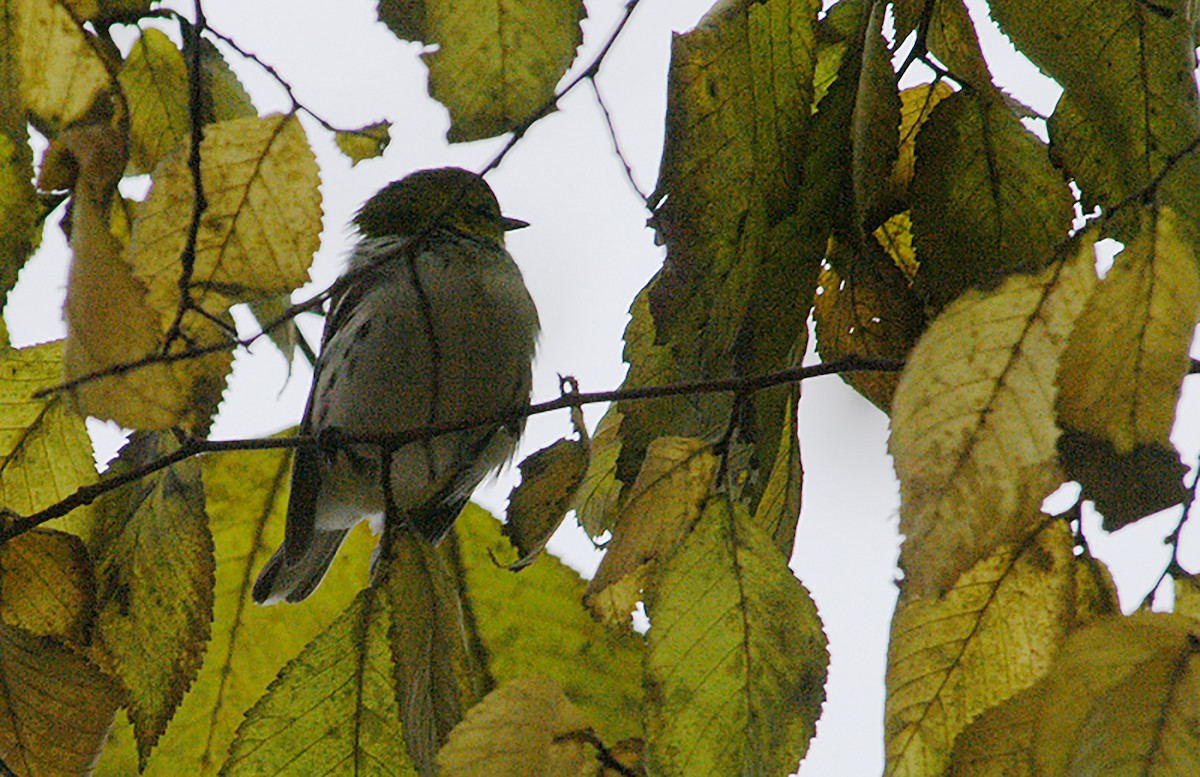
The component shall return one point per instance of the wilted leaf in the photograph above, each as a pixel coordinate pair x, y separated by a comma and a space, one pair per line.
334, 704
55, 706
46, 585
534, 622
737, 658
973, 434
986, 202
497, 62
524, 727
1120, 376
916, 106
536, 507
62, 74
659, 511
154, 573
155, 82
949, 658
368, 142
108, 320
873, 314
1125, 487
778, 512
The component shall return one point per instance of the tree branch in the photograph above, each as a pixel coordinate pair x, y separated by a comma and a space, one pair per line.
18, 524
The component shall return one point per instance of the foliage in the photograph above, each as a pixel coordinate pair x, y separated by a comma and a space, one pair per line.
926, 228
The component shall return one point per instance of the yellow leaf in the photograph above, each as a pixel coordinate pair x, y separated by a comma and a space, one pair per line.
260, 229
55, 706
916, 106
497, 62
45, 451
947, 660
660, 509
999, 742
1120, 377
368, 142
736, 655
334, 704
1125, 690
46, 585
155, 81
154, 571
536, 507
524, 727
973, 434
596, 499
61, 72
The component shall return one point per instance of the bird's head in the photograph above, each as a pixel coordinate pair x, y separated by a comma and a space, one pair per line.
446, 197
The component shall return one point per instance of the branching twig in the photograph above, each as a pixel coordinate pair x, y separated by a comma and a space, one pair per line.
18, 524
616, 144
604, 755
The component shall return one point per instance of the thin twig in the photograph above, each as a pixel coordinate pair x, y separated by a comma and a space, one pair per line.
18, 524
616, 144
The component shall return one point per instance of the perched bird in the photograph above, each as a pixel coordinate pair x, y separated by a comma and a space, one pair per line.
433, 325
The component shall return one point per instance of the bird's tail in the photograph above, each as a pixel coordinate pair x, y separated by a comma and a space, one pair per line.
292, 580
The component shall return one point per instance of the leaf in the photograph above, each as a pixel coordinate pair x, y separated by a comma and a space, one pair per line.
952, 39
986, 202
1114, 134
916, 106
246, 497
223, 97
45, 451
435, 671
536, 507
155, 82
657, 514
778, 512
524, 727
873, 314
1123, 691
999, 742
368, 142
725, 302
108, 321
332, 706
875, 128
973, 434
260, 229
595, 501
19, 229
62, 74
949, 658
534, 623
737, 659
55, 705
1120, 377
154, 572
497, 62
46, 585
1125, 487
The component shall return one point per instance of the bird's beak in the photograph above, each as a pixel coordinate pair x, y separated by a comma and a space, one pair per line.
508, 224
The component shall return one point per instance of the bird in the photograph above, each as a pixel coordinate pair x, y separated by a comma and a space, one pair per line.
430, 324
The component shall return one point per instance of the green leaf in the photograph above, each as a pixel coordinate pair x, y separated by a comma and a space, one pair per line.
736, 661
46, 585
332, 707
533, 623
986, 202
497, 62
368, 142
154, 573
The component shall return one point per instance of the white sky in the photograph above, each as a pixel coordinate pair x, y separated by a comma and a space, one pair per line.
584, 257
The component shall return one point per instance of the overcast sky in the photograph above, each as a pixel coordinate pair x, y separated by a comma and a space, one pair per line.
585, 255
